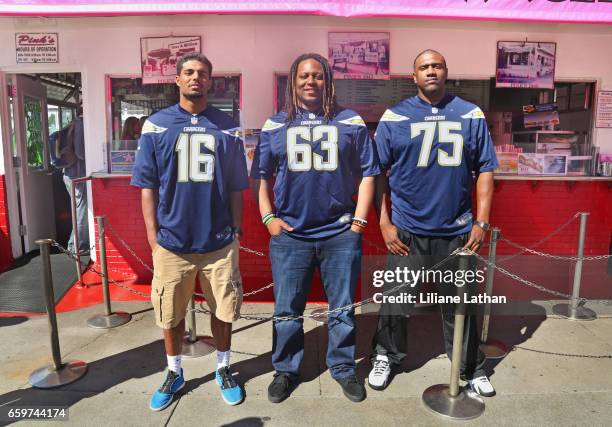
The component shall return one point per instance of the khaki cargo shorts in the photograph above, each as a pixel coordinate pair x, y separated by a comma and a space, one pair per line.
174, 283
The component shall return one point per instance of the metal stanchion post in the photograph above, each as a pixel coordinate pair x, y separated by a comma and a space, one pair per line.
448, 400
493, 349
109, 319
194, 345
59, 373
575, 310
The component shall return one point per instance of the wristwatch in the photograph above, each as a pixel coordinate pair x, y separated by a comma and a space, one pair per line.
484, 225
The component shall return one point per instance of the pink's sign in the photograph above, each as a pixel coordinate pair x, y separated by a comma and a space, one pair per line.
590, 11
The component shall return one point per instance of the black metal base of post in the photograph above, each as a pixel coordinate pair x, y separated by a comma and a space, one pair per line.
49, 377
202, 346
466, 405
494, 349
582, 313
102, 321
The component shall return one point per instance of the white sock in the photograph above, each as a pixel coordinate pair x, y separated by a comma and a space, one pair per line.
223, 358
174, 363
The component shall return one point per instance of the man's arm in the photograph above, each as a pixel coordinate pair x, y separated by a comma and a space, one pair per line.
236, 212
388, 230
148, 198
261, 193
365, 196
484, 197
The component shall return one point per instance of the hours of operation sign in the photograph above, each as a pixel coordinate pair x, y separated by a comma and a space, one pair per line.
604, 109
36, 47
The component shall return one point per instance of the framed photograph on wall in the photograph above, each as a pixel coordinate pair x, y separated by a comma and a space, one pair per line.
359, 55
158, 56
524, 64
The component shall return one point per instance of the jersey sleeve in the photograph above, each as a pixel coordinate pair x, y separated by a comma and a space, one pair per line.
264, 164
383, 144
487, 160
236, 169
368, 158
145, 174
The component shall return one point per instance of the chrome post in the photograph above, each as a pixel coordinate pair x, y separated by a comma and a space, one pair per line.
575, 310
109, 319
59, 373
447, 400
194, 346
493, 349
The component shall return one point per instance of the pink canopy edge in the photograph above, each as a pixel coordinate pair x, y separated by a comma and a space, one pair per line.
599, 12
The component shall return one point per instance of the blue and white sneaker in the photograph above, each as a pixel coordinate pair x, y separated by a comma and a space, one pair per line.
164, 395
232, 393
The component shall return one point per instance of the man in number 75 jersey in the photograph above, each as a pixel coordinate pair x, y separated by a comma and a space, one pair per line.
191, 170
432, 144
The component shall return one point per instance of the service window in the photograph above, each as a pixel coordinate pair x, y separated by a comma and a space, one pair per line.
131, 103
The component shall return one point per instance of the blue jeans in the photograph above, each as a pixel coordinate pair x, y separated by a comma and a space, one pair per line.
293, 263
80, 192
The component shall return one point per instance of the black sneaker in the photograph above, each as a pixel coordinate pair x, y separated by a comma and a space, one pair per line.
352, 388
280, 387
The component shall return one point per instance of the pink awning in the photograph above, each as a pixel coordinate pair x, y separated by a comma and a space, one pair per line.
590, 11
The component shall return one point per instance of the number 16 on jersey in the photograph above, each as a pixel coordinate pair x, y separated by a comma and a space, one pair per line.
193, 164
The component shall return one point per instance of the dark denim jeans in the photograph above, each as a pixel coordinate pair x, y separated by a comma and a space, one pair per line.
294, 261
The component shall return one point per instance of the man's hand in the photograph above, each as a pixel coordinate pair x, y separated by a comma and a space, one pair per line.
392, 240
277, 226
357, 229
477, 236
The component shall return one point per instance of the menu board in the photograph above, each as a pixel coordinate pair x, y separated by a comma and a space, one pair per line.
370, 98
604, 109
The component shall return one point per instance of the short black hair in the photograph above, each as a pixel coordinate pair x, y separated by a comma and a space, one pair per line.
193, 56
427, 51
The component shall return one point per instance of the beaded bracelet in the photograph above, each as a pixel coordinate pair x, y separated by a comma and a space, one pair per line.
359, 221
268, 218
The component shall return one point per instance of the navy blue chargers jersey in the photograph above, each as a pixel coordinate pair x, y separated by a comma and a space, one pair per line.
194, 161
318, 165
431, 152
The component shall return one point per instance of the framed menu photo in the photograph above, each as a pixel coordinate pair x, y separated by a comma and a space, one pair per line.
159, 55
524, 64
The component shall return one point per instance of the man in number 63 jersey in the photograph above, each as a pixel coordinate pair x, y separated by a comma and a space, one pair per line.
322, 156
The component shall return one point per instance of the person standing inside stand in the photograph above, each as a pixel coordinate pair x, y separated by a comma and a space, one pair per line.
76, 135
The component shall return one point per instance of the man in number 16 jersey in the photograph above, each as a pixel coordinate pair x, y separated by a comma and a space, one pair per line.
322, 156
191, 170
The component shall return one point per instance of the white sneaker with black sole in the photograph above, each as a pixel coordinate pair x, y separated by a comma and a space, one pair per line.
379, 375
482, 386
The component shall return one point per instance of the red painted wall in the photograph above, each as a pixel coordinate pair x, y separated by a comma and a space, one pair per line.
6, 256
526, 211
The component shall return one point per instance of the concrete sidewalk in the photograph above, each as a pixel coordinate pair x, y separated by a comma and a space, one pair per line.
534, 385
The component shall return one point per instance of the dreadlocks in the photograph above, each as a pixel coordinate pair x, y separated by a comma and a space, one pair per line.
329, 91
